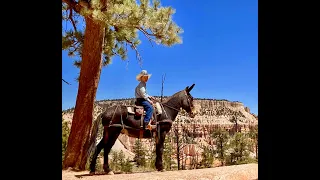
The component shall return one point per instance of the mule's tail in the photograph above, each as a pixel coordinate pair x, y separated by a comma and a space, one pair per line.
94, 134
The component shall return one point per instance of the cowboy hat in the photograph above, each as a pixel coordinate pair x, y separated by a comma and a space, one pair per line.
143, 73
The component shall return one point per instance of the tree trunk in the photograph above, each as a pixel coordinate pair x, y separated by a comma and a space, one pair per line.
91, 65
257, 151
236, 125
221, 153
178, 151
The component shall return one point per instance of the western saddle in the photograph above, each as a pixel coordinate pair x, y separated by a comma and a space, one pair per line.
138, 111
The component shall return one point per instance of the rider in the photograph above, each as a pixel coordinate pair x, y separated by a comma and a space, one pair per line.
142, 97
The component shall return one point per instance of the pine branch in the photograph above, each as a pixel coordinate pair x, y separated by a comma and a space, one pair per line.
71, 19
146, 34
150, 34
66, 82
138, 56
115, 53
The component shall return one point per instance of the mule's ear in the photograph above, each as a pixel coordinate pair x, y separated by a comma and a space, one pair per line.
187, 88
190, 88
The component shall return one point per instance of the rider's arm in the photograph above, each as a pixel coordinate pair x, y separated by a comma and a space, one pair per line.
144, 94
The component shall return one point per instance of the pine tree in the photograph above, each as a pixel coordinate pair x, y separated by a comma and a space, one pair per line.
168, 152
114, 164
179, 144
207, 156
140, 154
253, 134
240, 149
127, 166
65, 135
194, 158
222, 137
121, 158
152, 158
234, 120
110, 26
151, 155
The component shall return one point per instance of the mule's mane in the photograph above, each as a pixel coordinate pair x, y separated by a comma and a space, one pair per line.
173, 96
172, 100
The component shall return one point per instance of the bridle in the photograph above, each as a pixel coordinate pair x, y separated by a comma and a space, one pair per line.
188, 99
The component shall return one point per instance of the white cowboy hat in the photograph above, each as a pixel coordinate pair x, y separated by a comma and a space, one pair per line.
143, 73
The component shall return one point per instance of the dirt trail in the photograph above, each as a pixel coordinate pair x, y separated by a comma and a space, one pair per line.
237, 172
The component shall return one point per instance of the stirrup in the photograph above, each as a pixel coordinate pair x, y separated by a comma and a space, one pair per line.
150, 127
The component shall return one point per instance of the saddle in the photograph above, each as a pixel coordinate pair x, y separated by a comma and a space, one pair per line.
138, 111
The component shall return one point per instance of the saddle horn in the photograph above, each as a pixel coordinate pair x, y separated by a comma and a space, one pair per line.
190, 88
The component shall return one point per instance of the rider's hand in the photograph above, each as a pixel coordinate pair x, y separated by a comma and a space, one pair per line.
150, 102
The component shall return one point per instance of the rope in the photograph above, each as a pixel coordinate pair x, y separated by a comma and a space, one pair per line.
165, 112
122, 121
171, 107
113, 114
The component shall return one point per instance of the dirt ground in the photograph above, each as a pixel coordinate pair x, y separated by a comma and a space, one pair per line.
236, 172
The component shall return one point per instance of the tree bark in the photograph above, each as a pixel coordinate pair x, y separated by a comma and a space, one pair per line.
91, 65
221, 153
178, 149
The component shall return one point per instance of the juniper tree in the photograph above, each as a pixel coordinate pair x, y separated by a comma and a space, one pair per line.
111, 26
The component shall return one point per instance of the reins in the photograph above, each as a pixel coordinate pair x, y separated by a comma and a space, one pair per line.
173, 107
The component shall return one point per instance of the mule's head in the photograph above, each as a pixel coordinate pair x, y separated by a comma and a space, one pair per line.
187, 101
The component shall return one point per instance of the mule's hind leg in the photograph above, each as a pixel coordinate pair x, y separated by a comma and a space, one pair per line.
95, 155
111, 137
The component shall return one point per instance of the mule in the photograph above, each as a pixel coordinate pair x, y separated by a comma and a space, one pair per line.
118, 120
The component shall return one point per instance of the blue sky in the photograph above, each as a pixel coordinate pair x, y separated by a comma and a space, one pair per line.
219, 54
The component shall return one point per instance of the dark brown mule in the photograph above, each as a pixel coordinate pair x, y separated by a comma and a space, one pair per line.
118, 120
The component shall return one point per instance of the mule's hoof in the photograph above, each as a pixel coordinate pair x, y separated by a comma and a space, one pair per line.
110, 173
92, 173
162, 170
107, 170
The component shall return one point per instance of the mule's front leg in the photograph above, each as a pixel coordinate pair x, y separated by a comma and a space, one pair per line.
159, 151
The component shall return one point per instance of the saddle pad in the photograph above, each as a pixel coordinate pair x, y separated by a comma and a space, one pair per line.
158, 108
130, 110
